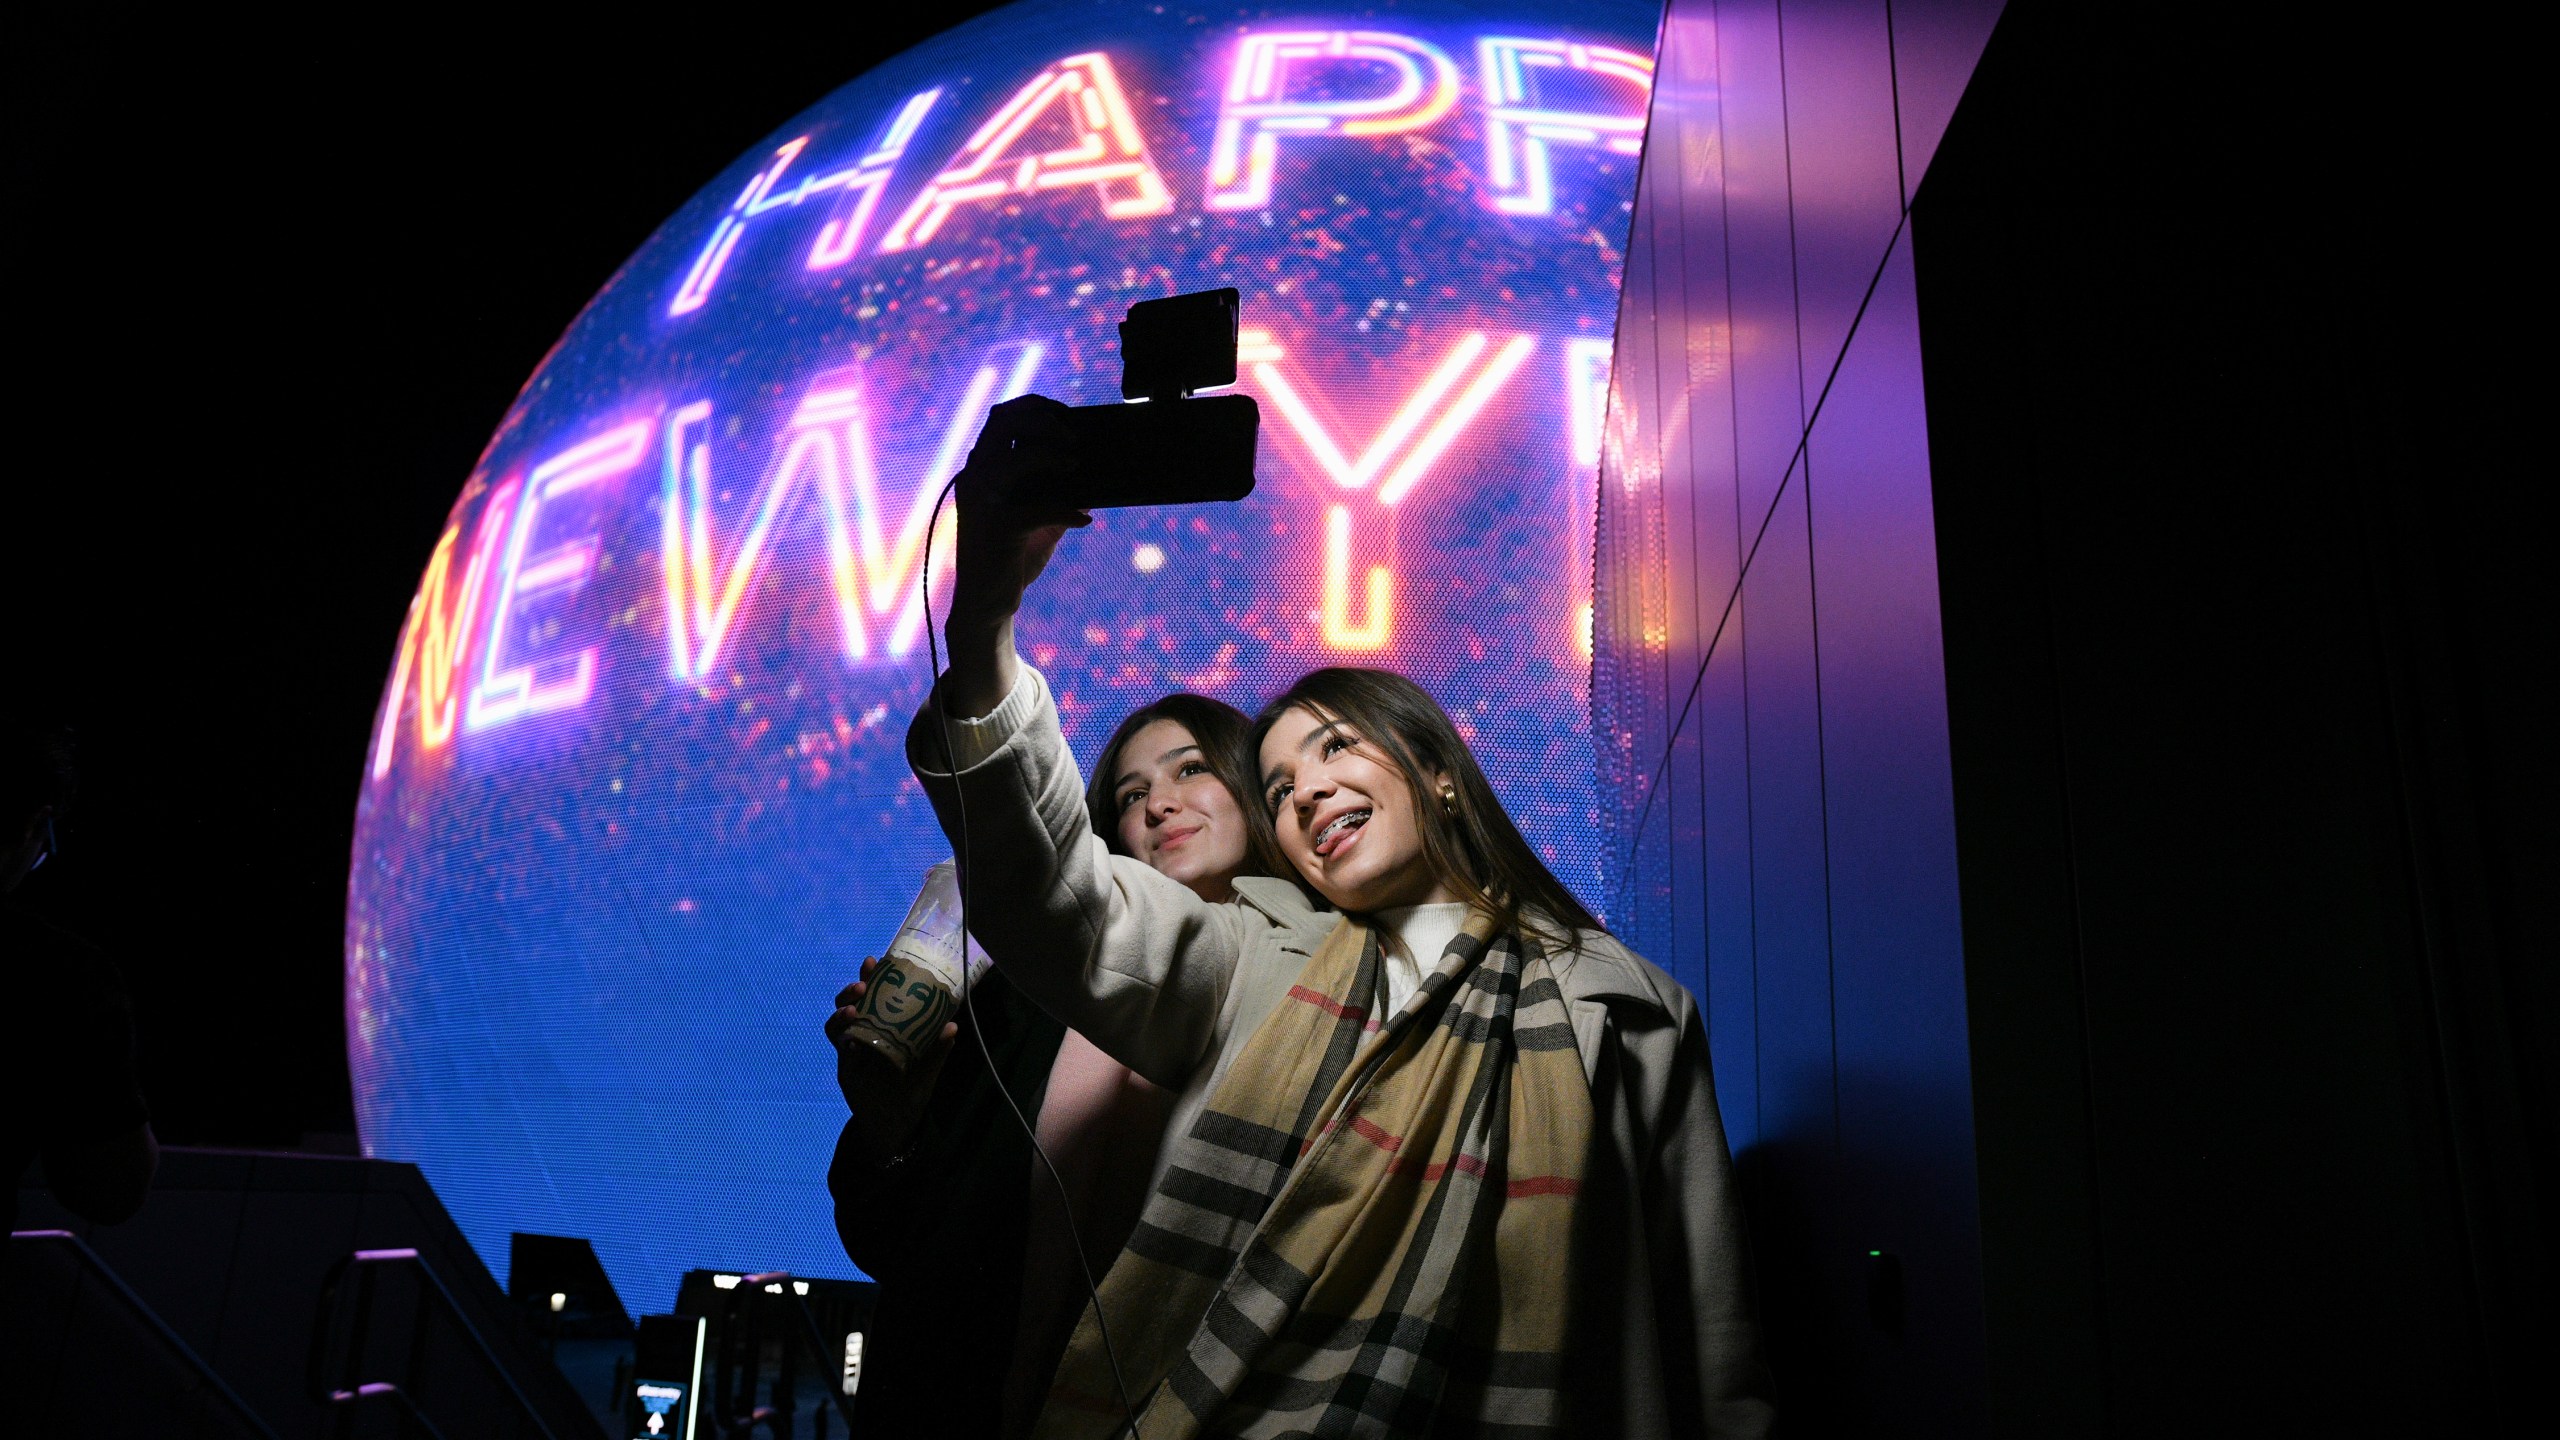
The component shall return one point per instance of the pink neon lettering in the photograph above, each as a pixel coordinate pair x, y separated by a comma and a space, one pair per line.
1395, 460
1518, 131
860, 185
438, 632
1106, 154
841, 237
1257, 111
871, 558
1441, 408
1586, 394
696, 289
509, 691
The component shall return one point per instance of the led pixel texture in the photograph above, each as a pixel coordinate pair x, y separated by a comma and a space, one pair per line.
636, 804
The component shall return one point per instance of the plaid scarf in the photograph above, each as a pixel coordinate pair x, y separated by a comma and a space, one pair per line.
1360, 1238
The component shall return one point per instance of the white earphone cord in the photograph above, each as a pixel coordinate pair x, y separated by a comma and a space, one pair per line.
960, 805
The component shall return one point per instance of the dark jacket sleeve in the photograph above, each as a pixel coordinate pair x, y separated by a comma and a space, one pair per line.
1665, 1264
866, 1197
956, 1202
1693, 1212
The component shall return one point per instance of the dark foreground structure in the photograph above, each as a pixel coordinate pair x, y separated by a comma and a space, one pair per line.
2139, 1025
2243, 626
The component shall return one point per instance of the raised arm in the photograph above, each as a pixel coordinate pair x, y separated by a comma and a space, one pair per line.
1134, 960
1002, 548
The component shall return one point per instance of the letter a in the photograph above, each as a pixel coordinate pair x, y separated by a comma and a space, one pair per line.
1104, 150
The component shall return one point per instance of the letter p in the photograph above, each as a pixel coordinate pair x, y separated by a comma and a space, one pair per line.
1410, 84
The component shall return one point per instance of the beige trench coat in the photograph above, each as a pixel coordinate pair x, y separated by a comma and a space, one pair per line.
1666, 1340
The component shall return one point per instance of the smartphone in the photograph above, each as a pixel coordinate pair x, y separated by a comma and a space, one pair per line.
1164, 444
1172, 347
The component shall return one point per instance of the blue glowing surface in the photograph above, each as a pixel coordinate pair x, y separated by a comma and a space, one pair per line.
636, 805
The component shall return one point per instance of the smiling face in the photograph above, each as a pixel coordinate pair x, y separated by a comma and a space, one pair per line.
1346, 815
1174, 813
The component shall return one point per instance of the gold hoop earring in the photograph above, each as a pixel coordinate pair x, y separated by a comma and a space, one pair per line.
1449, 797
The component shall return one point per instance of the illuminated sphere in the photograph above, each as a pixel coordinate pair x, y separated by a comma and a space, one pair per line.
636, 805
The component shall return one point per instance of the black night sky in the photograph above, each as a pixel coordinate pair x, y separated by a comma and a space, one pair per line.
275, 284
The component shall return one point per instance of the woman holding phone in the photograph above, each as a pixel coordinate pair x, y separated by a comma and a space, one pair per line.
930, 1170
1448, 1160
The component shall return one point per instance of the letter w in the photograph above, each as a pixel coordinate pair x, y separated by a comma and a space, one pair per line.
872, 557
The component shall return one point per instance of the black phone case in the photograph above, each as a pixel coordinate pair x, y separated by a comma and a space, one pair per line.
1162, 452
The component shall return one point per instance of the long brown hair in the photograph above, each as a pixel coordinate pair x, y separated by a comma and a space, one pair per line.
1469, 840
1221, 731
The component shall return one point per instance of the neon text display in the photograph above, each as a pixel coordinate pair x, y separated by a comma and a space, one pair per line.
637, 806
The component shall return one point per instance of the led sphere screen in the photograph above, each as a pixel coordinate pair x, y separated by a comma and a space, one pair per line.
637, 805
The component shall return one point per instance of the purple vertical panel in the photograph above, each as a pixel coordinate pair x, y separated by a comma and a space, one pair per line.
1671, 225
1629, 611
1689, 202
1719, 724
1648, 930
1906, 1109
1665, 638
1712, 752
1802, 825
1798, 1180
1768, 395
1789, 900
1843, 166
1688, 958
1935, 45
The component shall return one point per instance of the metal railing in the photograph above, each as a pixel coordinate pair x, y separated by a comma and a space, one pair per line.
349, 1391
220, 1395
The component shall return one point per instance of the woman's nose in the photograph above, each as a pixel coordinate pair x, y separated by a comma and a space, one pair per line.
1160, 806
1312, 790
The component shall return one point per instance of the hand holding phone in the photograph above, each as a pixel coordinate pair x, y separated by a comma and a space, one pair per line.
1164, 445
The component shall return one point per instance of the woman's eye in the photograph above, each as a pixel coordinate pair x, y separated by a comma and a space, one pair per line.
1279, 795
1193, 767
1132, 798
1335, 745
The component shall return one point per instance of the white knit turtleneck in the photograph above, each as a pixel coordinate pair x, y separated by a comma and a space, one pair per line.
1411, 939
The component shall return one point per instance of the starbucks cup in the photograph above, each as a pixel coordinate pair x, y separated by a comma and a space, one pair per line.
928, 967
